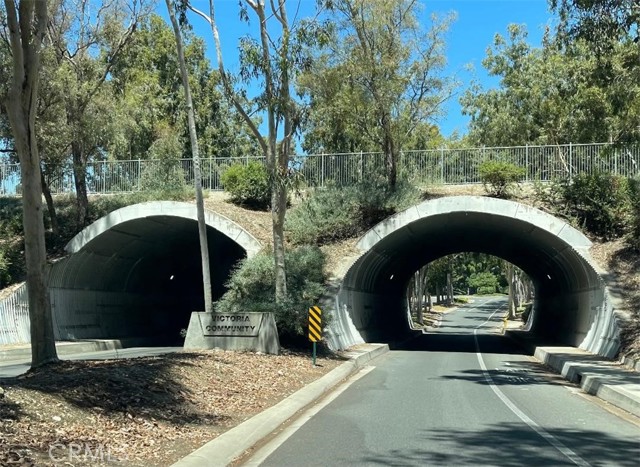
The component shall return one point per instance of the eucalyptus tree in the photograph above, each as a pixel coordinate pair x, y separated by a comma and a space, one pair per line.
377, 80
88, 38
193, 138
26, 24
600, 22
147, 87
272, 56
554, 94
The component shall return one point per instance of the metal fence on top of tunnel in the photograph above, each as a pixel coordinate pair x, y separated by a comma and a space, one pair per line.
432, 166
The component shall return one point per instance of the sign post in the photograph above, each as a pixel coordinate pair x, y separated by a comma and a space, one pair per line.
315, 328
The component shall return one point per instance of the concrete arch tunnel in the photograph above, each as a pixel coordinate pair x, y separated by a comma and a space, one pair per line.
136, 274
572, 306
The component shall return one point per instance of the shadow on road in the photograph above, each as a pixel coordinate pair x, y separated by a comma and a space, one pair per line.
525, 447
459, 342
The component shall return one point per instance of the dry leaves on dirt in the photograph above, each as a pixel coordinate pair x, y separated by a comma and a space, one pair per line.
143, 411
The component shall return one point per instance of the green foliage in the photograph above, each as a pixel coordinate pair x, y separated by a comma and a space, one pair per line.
634, 198
252, 288
5, 264
598, 202
335, 213
484, 282
354, 85
163, 172
499, 177
555, 94
462, 266
248, 185
10, 217
486, 290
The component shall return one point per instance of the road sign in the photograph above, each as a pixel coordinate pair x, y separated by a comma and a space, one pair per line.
315, 328
315, 324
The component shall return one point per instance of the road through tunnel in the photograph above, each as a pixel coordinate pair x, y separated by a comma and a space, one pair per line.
136, 274
572, 306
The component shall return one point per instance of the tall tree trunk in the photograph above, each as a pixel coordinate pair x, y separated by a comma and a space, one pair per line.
202, 227
55, 226
419, 296
278, 211
80, 179
512, 291
390, 153
277, 162
449, 290
25, 34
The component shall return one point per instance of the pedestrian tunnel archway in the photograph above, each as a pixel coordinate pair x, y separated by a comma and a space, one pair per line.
572, 305
136, 273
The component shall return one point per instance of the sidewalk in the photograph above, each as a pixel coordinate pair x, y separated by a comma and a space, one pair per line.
23, 351
609, 380
616, 382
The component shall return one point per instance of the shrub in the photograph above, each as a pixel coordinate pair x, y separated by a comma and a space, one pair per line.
634, 198
599, 202
248, 185
486, 290
499, 178
483, 281
163, 171
5, 264
251, 287
335, 213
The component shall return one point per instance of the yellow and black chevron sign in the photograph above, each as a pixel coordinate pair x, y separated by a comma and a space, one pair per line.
315, 324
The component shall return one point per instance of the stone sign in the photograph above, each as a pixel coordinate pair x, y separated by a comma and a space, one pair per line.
233, 331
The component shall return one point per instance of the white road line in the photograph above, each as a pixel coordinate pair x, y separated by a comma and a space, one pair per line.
548, 437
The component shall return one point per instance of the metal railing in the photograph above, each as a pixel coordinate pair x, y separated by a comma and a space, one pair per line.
437, 166
14, 317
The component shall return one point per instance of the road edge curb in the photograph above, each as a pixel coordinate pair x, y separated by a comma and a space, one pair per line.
232, 444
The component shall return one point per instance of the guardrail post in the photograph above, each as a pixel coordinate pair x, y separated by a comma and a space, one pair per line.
361, 166
322, 170
570, 161
139, 172
442, 164
526, 162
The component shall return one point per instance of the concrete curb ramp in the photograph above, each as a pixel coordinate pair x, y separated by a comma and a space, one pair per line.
233, 443
599, 377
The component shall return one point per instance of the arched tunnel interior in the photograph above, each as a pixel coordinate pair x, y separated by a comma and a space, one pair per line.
138, 280
569, 293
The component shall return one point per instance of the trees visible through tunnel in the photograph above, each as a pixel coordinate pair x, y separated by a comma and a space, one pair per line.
439, 282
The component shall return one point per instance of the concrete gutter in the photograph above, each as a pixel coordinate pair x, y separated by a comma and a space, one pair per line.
235, 442
606, 379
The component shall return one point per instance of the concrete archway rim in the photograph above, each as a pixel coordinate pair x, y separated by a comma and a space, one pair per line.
184, 210
478, 204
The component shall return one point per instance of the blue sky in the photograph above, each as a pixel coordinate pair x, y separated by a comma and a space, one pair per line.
477, 23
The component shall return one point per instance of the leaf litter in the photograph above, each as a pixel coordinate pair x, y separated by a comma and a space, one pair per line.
146, 411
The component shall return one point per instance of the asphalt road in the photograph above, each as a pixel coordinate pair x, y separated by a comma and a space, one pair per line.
12, 368
464, 395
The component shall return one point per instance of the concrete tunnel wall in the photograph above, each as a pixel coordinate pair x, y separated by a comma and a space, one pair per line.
573, 306
136, 273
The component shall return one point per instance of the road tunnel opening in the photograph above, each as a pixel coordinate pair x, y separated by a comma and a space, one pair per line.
454, 280
571, 308
137, 275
